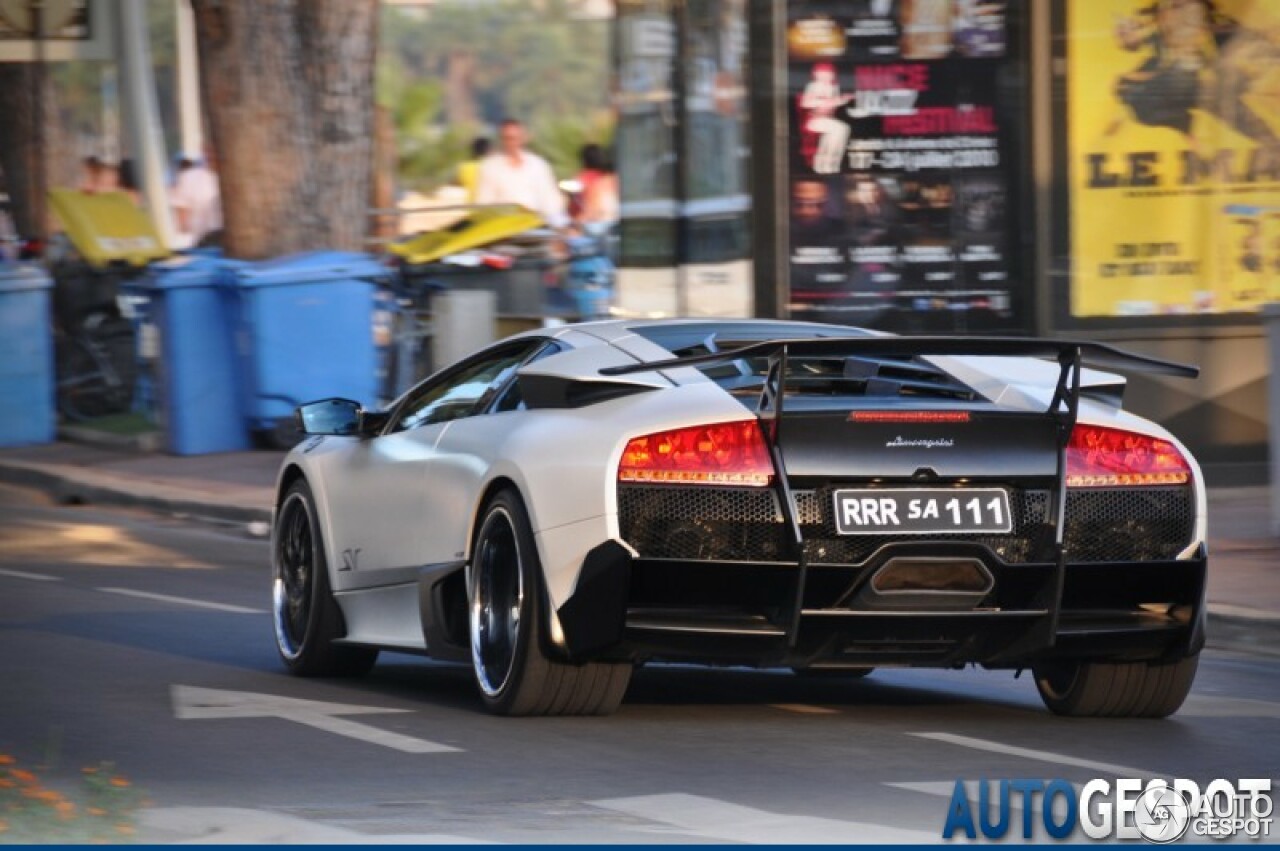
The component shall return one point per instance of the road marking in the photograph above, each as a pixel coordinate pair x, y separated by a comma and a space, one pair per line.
937, 788
712, 818
237, 826
183, 601
945, 788
36, 577
194, 703
805, 709
1031, 753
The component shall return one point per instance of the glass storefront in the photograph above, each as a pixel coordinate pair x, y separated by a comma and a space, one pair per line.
684, 157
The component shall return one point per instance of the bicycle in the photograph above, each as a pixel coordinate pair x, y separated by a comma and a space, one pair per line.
95, 352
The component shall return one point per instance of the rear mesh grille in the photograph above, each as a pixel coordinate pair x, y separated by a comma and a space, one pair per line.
745, 524
1132, 524
715, 524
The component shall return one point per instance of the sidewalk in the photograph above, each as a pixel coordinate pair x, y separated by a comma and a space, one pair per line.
1244, 566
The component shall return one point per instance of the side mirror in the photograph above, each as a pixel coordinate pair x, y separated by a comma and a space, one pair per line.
330, 416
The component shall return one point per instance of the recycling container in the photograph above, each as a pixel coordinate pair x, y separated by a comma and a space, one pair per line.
26, 356
198, 386
305, 330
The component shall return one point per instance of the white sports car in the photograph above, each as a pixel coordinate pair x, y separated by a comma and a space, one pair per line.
573, 501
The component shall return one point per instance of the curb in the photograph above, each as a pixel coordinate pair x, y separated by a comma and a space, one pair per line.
151, 441
1241, 630
70, 489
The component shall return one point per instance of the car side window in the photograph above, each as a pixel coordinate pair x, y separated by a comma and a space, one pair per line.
511, 400
459, 394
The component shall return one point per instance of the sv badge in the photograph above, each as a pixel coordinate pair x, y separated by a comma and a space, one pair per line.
350, 560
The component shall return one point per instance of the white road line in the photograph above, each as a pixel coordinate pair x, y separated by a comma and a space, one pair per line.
192, 703
237, 826
371, 735
1031, 753
805, 709
36, 577
937, 788
945, 788
183, 601
715, 819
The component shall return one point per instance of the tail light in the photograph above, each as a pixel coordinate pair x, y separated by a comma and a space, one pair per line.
1099, 457
722, 454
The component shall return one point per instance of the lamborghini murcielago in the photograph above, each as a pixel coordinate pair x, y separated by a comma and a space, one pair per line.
571, 502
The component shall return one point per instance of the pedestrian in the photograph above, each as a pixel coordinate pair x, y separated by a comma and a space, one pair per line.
90, 169
128, 181
598, 207
515, 175
197, 202
469, 171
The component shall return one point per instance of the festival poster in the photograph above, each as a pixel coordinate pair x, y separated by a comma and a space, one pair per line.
1174, 146
894, 127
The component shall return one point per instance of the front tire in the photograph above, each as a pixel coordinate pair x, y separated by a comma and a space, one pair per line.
1116, 689
306, 617
508, 616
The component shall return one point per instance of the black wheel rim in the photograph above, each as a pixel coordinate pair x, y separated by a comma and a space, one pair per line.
1057, 679
497, 598
295, 572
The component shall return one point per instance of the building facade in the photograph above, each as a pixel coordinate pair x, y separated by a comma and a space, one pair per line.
1106, 169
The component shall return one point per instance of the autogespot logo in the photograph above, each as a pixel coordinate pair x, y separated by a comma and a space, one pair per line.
1158, 811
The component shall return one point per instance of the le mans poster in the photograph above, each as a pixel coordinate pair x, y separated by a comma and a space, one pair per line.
1174, 146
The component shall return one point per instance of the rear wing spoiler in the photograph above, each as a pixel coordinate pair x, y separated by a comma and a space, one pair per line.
1082, 352
1070, 355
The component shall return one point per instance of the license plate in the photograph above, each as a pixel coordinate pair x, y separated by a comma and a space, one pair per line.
921, 511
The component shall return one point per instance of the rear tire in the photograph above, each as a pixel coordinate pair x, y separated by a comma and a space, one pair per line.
1116, 689
508, 616
306, 617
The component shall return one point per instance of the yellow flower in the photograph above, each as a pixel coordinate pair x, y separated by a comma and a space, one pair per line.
125, 829
22, 776
120, 782
6, 783
96, 811
89, 769
5, 759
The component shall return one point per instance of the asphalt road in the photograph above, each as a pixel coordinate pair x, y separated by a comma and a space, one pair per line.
132, 639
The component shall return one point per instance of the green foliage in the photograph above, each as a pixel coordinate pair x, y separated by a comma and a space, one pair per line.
527, 59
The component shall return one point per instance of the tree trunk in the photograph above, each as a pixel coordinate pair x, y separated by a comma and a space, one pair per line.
21, 148
288, 88
383, 193
459, 88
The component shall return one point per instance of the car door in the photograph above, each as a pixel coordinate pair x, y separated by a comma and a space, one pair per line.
380, 515
466, 452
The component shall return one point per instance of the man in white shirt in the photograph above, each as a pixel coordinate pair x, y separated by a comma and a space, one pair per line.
517, 176
197, 203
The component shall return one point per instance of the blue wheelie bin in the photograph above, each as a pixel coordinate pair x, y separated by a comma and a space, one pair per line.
305, 331
198, 385
26, 356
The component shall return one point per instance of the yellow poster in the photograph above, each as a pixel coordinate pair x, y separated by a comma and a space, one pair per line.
1174, 146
